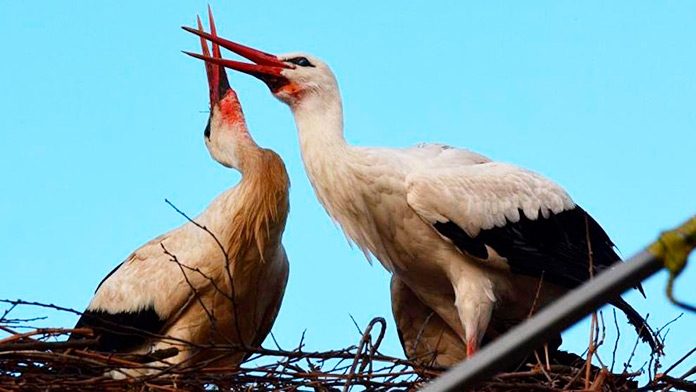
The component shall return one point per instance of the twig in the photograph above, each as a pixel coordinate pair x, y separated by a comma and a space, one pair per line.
590, 267
682, 359
227, 267
616, 342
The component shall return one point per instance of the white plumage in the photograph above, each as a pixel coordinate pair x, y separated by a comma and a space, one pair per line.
218, 281
387, 200
467, 236
482, 196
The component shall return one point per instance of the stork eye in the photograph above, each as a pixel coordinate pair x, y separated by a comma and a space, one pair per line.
301, 61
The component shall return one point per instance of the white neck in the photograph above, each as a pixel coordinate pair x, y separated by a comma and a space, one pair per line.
319, 120
333, 167
326, 156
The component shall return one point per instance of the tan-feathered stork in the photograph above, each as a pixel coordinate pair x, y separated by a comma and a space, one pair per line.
225, 289
471, 238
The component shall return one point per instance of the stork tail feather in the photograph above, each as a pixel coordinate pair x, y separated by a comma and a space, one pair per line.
640, 324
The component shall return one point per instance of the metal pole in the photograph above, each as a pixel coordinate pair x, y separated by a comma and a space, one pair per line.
518, 342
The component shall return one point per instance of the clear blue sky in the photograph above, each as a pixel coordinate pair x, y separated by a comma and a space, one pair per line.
102, 117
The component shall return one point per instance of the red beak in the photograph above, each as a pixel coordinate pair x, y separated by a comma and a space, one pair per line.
267, 67
217, 78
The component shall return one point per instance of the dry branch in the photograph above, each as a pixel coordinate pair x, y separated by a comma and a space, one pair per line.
42, 359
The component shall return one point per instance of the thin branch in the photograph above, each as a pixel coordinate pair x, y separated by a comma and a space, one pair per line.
227, 267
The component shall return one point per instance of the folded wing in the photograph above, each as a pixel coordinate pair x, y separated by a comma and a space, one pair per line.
521, 216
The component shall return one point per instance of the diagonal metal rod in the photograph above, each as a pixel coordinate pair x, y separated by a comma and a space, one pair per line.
554, 318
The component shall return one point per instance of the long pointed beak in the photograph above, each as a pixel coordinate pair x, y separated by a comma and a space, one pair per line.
217, 78
223, 98
266, 67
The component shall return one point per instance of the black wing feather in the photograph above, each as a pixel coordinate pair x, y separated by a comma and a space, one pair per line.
555, 246
122, 331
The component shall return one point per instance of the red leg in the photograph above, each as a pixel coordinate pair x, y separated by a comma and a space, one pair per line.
471, 347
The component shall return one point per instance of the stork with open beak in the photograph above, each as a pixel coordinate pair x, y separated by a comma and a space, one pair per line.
218, 281
471, 238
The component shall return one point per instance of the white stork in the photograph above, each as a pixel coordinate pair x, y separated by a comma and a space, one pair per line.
188, 285
467, 235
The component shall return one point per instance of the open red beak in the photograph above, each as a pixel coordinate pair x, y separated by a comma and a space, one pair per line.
217, 78
267, 67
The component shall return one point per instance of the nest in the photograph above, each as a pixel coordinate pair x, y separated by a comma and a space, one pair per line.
43, 359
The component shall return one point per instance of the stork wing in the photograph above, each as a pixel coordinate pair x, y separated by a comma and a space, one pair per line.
138, 298
525, 218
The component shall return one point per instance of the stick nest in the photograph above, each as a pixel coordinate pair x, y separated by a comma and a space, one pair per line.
42, 359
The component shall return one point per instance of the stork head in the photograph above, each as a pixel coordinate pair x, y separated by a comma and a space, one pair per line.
226, 134
294, 78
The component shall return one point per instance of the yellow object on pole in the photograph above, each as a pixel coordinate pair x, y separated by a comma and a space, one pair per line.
673, 249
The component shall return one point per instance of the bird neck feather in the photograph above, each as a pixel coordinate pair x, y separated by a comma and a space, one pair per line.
319, 121
331, 166
263, 201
